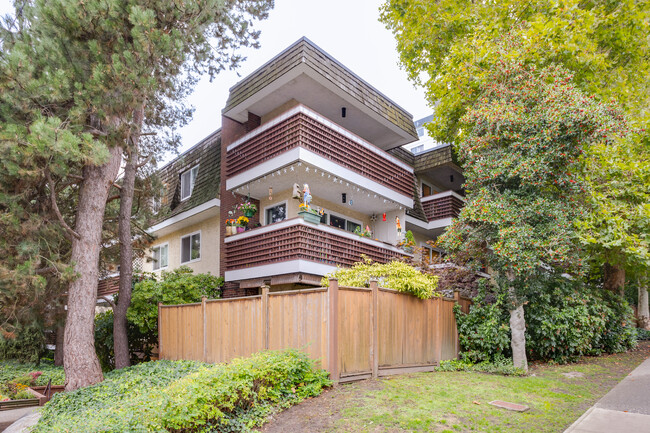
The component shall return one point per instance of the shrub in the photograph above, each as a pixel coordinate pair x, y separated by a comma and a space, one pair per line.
10, 370
642, 334
563, 322
394, 275
24, 344
484, 333
180, 286
140, 344
501, 365
187, 396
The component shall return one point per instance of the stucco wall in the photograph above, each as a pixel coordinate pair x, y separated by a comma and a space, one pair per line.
209, 261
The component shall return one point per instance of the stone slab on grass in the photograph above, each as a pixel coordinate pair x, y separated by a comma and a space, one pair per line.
510, 406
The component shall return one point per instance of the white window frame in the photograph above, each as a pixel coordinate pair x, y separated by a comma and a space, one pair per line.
286, 207
166, 244
189, 235
338, 215
192, 182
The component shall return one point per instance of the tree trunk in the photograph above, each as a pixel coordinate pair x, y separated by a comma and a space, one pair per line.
517, 330
614, 278
120, 338
643, 310
80, 361
58, 350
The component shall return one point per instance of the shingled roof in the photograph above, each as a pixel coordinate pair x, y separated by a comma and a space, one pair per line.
306, 52
207, 155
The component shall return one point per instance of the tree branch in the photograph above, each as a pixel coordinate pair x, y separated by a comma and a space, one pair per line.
55, 207
107, 299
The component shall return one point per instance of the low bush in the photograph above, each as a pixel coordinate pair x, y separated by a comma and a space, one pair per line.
187, 396
10, 370
642, 334
394, 275
180, 286
501, 365
563, 322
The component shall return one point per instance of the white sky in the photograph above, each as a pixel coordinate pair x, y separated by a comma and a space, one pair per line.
348, 30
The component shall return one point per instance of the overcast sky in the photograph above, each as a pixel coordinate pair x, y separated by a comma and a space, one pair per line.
348, 30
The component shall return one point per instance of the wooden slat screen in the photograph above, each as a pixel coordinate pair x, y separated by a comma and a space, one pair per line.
301, 130
304, 243
443, 207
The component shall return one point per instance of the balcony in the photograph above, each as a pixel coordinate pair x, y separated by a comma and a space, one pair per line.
301, 134
296, 246
444, 205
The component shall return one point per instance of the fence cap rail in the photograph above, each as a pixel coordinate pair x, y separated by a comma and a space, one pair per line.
193, 304
360, 289
299, 292
239, 298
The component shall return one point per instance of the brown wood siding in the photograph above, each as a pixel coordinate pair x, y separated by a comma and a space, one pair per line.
443, 207
300, 242
301, 130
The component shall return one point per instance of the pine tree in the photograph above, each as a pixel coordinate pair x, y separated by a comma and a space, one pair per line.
82, 70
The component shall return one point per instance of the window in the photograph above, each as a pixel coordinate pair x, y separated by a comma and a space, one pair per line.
191, 248
342, 223
417, 149
160, 256
187, 182
426, 190
276, 213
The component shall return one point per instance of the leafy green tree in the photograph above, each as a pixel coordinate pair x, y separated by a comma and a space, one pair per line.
451, 47
522, 149
617, 230
80, 73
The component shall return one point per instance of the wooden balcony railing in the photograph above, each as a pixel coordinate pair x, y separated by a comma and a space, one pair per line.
443, 205
301, 127
297, 240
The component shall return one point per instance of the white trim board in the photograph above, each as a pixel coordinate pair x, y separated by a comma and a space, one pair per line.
431, 225
215, 202
280, 268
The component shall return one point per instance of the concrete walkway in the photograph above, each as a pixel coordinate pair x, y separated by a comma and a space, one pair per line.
9, 418
624, 409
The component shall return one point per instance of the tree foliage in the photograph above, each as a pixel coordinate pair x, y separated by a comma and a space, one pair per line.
451, 47
179, 286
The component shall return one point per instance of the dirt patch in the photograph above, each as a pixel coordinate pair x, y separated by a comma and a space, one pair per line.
320, 414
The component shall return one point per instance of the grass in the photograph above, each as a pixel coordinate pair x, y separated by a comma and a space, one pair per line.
458, 401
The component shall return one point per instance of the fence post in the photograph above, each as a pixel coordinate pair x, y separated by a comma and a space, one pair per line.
265, 316
374, 345
160, 352
456, 342
205, 329
333, 329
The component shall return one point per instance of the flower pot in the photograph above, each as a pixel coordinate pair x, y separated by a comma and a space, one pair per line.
230, 230
249, 213
310, 217
241, 229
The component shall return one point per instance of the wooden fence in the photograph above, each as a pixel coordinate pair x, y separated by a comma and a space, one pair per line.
356, 333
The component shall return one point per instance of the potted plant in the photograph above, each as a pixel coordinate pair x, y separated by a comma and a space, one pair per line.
247, 208
408, 243
308, 214
231, 226
242, 223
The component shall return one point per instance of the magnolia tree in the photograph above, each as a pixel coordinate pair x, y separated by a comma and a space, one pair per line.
522, 149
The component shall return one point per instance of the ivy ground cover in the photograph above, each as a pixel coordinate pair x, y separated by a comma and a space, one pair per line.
190, 396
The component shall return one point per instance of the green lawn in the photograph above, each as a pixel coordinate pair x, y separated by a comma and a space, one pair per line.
458, 401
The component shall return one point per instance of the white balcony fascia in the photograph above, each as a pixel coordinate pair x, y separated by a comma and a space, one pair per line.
301, 154
441, 195
280, 268
431, 225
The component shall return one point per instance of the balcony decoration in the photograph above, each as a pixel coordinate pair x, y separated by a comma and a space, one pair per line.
408, 243
365, 233
247, 208
231, 226
242, 223
305, 210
